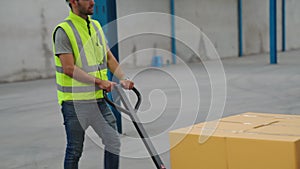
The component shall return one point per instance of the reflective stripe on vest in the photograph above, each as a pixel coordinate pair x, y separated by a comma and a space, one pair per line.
77, 89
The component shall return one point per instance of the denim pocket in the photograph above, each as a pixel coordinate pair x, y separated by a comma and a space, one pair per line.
68, 111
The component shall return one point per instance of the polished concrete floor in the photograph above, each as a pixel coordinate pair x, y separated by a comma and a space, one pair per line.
31, 126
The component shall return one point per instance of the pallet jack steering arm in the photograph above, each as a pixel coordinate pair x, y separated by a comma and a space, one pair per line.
131, 112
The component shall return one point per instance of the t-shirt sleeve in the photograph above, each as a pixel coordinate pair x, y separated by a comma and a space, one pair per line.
62, 42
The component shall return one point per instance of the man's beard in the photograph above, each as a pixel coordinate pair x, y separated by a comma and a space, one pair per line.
85, 11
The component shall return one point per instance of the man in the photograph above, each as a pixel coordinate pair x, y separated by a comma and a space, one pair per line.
82, 58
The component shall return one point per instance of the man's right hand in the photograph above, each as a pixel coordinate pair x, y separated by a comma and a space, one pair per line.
105, 85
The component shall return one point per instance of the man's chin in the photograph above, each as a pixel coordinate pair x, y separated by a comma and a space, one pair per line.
91, 12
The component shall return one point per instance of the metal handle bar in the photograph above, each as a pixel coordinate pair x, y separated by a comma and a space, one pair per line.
136, 107
129, 110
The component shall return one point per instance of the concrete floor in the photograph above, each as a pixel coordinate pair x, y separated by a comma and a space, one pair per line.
32, 133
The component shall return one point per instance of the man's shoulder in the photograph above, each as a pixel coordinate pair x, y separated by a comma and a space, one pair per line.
59, 26
64, 22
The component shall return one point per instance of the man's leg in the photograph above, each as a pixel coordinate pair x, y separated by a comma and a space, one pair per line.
104, 124
111, 160
75, 136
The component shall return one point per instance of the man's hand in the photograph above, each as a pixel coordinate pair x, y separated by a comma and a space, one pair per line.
105, 85
127, 84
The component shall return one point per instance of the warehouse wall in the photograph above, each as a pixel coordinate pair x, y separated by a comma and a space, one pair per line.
25, 34
217, 19
292, 24
25, 38
138, 49
256, 26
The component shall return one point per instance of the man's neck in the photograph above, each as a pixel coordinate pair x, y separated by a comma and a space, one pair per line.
85, 17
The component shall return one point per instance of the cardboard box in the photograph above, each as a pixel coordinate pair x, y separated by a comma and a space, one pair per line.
245, 141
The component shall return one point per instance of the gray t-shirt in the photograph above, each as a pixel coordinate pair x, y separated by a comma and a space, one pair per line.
62, 42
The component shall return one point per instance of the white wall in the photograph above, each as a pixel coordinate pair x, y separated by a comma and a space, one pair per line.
137, 50
25, 38
217, 19
256, 26
292, 24
26, 29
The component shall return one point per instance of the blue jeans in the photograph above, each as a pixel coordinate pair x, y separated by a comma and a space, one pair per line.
78, 116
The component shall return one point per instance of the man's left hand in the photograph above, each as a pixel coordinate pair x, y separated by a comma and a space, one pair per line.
127, 84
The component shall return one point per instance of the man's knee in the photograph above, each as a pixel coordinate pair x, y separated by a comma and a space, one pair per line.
113, 146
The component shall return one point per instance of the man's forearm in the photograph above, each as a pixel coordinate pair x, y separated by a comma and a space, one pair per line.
114, 66
80, 75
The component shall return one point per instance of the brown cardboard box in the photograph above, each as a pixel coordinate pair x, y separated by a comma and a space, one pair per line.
246, 141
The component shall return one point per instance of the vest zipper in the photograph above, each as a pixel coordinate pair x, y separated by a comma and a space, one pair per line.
88, 26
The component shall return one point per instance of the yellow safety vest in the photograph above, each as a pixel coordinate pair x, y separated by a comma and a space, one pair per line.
90, 54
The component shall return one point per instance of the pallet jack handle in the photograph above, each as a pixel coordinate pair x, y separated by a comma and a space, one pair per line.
136, 107
131, 112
